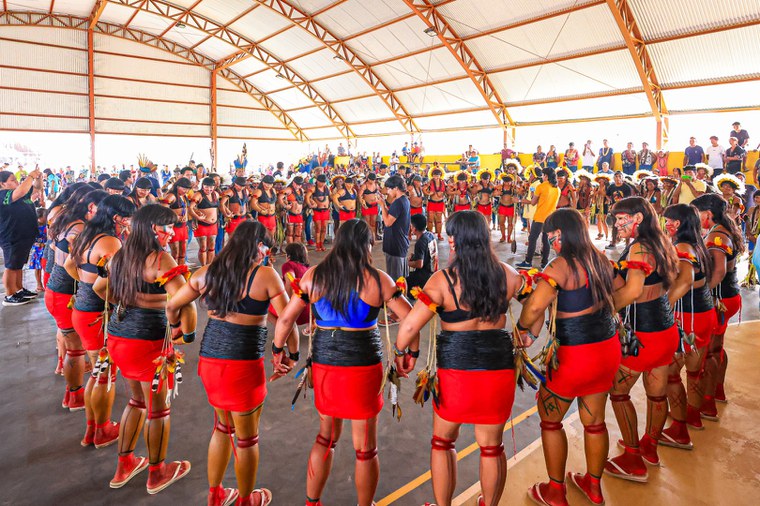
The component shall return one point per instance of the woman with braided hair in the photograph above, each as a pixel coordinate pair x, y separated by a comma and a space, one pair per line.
695, 311
476, 370
725, 244
238, 289
99, 240
142, 275
646, 271
346, 293
579, 285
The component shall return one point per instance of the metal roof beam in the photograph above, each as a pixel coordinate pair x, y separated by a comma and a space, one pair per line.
97, 10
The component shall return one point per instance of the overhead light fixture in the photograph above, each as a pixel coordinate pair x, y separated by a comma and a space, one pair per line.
337, 57
280, 76
180, 25
431, 31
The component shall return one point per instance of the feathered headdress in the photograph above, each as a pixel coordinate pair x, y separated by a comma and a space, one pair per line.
734, 181
242, 159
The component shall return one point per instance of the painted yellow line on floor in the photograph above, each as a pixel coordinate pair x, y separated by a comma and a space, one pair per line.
423, 478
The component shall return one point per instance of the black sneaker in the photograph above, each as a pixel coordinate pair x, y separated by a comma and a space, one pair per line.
610, 246
15, 300
524, 265
27, 294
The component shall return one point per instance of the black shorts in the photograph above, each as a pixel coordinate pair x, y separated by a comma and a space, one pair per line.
16, 252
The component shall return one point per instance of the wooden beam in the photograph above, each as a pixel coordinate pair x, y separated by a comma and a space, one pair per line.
97, 11
214, 123
91, 96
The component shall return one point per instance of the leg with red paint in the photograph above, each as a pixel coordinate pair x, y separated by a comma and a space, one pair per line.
676, 435
202, 241
720, 392
73, 370
493, 463
60, 345
629, 465
656, 386
157, 430
247, 458
551, 409
710, 376
367, 467
443, 460
219, 452
596, 441
132, 421
321, 457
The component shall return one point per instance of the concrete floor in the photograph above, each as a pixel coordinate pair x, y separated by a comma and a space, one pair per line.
42, 462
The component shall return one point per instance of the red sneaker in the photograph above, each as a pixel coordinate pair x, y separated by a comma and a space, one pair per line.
310, 243
76, 399
590, 486
720, 393
628, 466
127, 468
106, 434
220, 496
693, 418
676, 436
548, 494
265, 498
89, 434
709, 410
65, 401
162, 475
648, 449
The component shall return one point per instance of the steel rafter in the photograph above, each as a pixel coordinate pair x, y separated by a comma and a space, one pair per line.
97, 11
14, 18
429, 14
308, 22
634, 40
171, 12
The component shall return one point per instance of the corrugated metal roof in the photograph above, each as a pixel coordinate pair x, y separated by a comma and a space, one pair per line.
242, 132
462, 119
187, 36
246, 117
42, 81
216, 49
580, 109
419, 69
236, 99
26, 55
124, 66
379, 128
119, 108
714, 97
116, 13
116, 45
708, 56
356, 15
259, 23
35, 102
320, 134
291, 43
319, 64
309, 118
402, 37
146, 127
659, 18
248, 66
151, 91
222, 11
68, 38
453, 96
151, 23
30, 5
267, 81
8, 122
312, 6
363, 109
345, 86
290, 98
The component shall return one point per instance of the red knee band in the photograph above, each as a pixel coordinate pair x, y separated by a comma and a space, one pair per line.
248, 442
620, 397
439, 443
155, 415
599, 428
327, 443
136, 404
76, 353
492, 451
368, 455
674, 379
103, 379
224, 429
657, 398
551, 425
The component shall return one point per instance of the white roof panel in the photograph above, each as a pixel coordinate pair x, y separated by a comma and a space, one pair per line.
187, 36
714, 97
242, 132
50, 81
708, 56
321, 63
419, 69
68, 38
29, 5
453, 96
39, 123
290, 98
151, 23
658, 18
363, 109
379, 128
26, 55
309, 118
462, 119
259, 23
111, 44
356, 15
246, 117
124, 66
147, 128
267, 81
402, 37
312, 6
345, 86
291, 43
248, 66
216, 49
236, 98
35, 102
116, 14
153, 91
582, 109
118, 108
75, 7
222, 11
316, 134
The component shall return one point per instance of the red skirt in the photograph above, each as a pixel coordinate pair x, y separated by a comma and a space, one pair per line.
45, 277
346, 215
322, 215
415, 210
233, 224
704, 326
233, 385
350, 392
436, 207
506, 210
733, 306
485, 210
657, 350
57, 305
461, 207
89, 328
180, 233
270, 222
479, 397
206, 230
134, 357
370, 210
586, 369
294, 219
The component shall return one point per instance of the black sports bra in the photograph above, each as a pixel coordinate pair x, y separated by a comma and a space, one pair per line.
236, 198
486, 189
653, 279
575, 301
457, 315
250, 306
207, 204
267, 198
154, 288
347, 195
63, 244
87, 266
179, 203
732, 256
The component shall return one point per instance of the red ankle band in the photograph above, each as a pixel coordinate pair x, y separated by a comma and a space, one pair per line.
599, 428
155, 415
248, 442
439, 443
557, 485
551, 425
126, 458
75, 353
156, 467
657, 398
620, 397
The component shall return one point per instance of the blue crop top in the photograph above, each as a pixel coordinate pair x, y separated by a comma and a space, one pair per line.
360, 314
575, 301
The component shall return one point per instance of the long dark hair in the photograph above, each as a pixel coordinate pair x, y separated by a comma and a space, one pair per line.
481, 277
341, 273
76, 208
551, 175
227, 276
690, 232
102, 223
651, 235
580, 253
64, 196
296, 252
128, 264
717, 206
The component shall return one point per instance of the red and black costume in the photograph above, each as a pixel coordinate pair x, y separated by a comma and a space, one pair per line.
206, 229
436, 206
321, 197
486, 209
180, 227
241, 199
88, 307
371, 209
696, 310
268, 220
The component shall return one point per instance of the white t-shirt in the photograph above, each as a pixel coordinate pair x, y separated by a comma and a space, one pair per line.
589, 159
715, 156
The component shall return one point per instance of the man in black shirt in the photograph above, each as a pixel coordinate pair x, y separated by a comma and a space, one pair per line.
734, 157
396, 221
424, 259
18, 231
741, 135
615, 193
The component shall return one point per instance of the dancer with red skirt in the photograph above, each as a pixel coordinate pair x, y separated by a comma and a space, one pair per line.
178, 202
98, 242
725, 243
142, 275
646, 271
205, 208
231, 364
477, 386
579, 282
346, 294
695, 313
80, 208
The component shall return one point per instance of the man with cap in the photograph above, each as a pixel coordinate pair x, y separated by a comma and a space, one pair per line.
741, 135
114, 186
264, 201
292, 200
318, 199
234, 204
435, 190
369, 194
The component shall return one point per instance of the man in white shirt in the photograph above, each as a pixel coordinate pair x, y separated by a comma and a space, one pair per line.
714, 154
